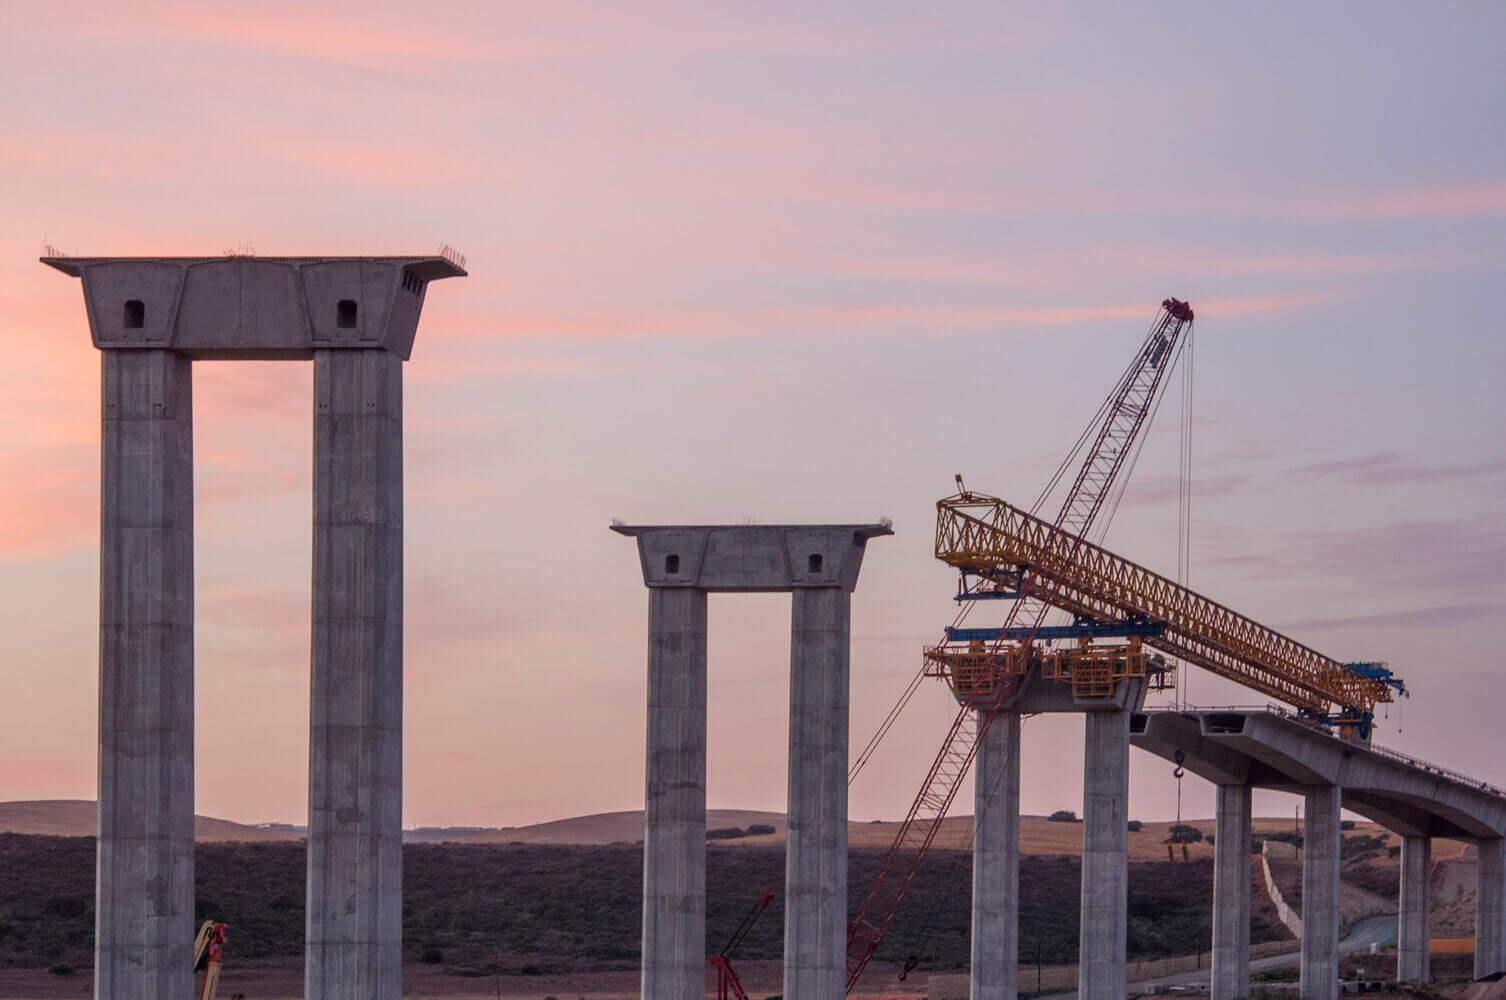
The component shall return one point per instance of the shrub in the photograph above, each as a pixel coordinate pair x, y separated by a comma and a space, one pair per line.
60, 969
1134, 826
1346, 824
432, 956
760, 829
1063, 816
1185, 834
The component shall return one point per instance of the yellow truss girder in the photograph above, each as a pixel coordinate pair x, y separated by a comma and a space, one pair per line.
982, 533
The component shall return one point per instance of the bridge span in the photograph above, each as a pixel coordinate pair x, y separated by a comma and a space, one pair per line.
1240, 749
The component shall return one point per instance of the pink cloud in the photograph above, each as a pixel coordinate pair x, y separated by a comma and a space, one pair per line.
1448, 202
918, 319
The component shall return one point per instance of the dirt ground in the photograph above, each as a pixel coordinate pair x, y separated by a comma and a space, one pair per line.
283, 980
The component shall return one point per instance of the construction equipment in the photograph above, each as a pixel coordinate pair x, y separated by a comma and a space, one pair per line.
208, 955
985, 536
986, 676
728, 985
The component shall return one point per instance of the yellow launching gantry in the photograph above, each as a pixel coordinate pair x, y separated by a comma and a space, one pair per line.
1004, 552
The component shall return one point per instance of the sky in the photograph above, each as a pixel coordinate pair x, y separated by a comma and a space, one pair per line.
772, 263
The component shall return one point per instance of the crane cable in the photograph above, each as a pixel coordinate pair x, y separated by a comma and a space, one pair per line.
1184, 500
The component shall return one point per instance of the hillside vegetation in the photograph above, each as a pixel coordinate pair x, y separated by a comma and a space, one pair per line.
532, 909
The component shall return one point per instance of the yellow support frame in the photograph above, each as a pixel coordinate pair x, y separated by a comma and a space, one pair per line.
979, 532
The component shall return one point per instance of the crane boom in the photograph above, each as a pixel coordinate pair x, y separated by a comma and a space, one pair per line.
982, 533
1113, 434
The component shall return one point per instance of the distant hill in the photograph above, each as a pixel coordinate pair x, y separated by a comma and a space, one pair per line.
79, 818
601, 828
1038, 835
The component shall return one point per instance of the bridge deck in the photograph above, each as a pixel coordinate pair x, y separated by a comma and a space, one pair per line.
1267, 748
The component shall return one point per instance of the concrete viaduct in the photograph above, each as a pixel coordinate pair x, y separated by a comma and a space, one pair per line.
1242, 749
1238, 750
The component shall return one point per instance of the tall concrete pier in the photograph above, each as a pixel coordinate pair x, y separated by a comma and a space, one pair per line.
355, 856
819, 565
996, 861
815, 889
356, 318
144, 914
674, 800
1231, 892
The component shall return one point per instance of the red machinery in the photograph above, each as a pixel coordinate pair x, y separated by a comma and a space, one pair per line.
208, 954
728, 985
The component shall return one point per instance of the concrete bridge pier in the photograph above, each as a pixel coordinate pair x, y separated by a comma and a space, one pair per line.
1490, 908
815, 883
144, 926
674, 802
354, 938
1105, 857
1231, 893
996, 861
1320, 893
818, 565
1412, 948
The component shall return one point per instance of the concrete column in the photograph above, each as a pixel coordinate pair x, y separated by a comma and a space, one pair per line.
1490, 909
1105, 857
1320, 893
996, 861
354, 933
815, 874
144, 902
1231, 893
674, 836
1412, 958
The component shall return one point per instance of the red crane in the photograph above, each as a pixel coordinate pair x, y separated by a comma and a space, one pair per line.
728, 985
1112, 433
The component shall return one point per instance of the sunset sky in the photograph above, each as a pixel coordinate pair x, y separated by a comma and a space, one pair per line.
775, 263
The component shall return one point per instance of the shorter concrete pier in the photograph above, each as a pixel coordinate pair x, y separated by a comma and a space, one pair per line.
1105, 857
818, 565
1490, 908
1231, 893
1416, 902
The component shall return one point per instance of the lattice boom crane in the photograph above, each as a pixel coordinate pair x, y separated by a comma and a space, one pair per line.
1109, 442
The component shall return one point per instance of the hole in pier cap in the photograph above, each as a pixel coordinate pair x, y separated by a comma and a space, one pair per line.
671, 564
345, 314
135, 314
814, 563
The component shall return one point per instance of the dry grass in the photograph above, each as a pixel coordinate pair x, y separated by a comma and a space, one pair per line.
80, 818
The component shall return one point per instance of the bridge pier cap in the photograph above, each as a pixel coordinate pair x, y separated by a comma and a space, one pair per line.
743, 558
255, 308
